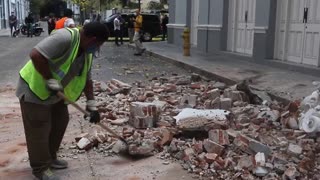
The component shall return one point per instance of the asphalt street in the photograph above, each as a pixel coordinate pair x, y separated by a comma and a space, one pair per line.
114, 62
14, 52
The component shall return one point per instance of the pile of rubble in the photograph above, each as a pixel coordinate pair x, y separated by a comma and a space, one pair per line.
212, 130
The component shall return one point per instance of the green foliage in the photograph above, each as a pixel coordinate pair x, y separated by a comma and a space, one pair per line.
35, 5
84, 4
153, 5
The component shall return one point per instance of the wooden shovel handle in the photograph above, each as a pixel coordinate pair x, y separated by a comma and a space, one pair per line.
61, 95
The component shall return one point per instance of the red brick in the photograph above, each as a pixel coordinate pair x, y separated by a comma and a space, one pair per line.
212, 147
166, 136
170, 88
188, 154
210, 157
198, 147
195, 86
219, 136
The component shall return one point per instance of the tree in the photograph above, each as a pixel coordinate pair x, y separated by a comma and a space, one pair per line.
164, 1
153, 5
36, 5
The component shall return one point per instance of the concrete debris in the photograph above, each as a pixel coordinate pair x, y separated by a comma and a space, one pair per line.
84, 143
145, 115
119, 121
189, 101
119, 146
294, 150
291, 173
213, 131
269, 115
193, 119
260, 172
260, 159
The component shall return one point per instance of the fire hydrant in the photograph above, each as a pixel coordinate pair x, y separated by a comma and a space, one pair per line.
186, 41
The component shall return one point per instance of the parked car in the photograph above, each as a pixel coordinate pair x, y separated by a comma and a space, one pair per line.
150, 27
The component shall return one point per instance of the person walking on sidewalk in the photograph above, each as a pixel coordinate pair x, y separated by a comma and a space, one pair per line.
164, 22
13, 22
137, 30
130, 24
117, 30
59, 63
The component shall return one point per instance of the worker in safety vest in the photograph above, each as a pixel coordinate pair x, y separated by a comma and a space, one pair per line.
59, 63
66, 21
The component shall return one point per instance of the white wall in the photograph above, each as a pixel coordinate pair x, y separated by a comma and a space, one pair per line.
20, 11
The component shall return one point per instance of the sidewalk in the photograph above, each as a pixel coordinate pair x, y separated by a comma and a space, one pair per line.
4, 32
279, 79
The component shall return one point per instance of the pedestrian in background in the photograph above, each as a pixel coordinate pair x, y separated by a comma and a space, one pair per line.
66, 21
51, 23
131, 28
137, 34
122, 26
164, 22
13, 22
117, 26
29, 22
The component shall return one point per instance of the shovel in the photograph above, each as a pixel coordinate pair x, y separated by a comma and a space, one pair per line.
61, 95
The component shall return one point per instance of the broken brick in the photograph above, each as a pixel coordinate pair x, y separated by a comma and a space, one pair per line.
144, 115
166, 136
219, 136
188, 154
250, 145
294, 150
213, 94
189, 100
83, 135
260, 159
84, 144
306, 165
291, 173
195, 86
245, 162
225, 103
212, 147
294, 106
170, 88
210, 157
198, 147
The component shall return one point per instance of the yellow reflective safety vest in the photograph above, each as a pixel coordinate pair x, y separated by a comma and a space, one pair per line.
74, 87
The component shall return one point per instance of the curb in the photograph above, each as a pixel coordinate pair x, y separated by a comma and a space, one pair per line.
207, 74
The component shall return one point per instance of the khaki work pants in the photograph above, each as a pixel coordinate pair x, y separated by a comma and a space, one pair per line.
44, 127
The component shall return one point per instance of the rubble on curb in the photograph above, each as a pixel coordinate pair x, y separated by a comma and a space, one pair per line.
212, 130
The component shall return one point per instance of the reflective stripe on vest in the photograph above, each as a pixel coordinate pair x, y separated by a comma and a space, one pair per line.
74, 88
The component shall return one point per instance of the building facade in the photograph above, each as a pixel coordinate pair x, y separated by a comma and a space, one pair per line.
19, 7
75, 9
286, 30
